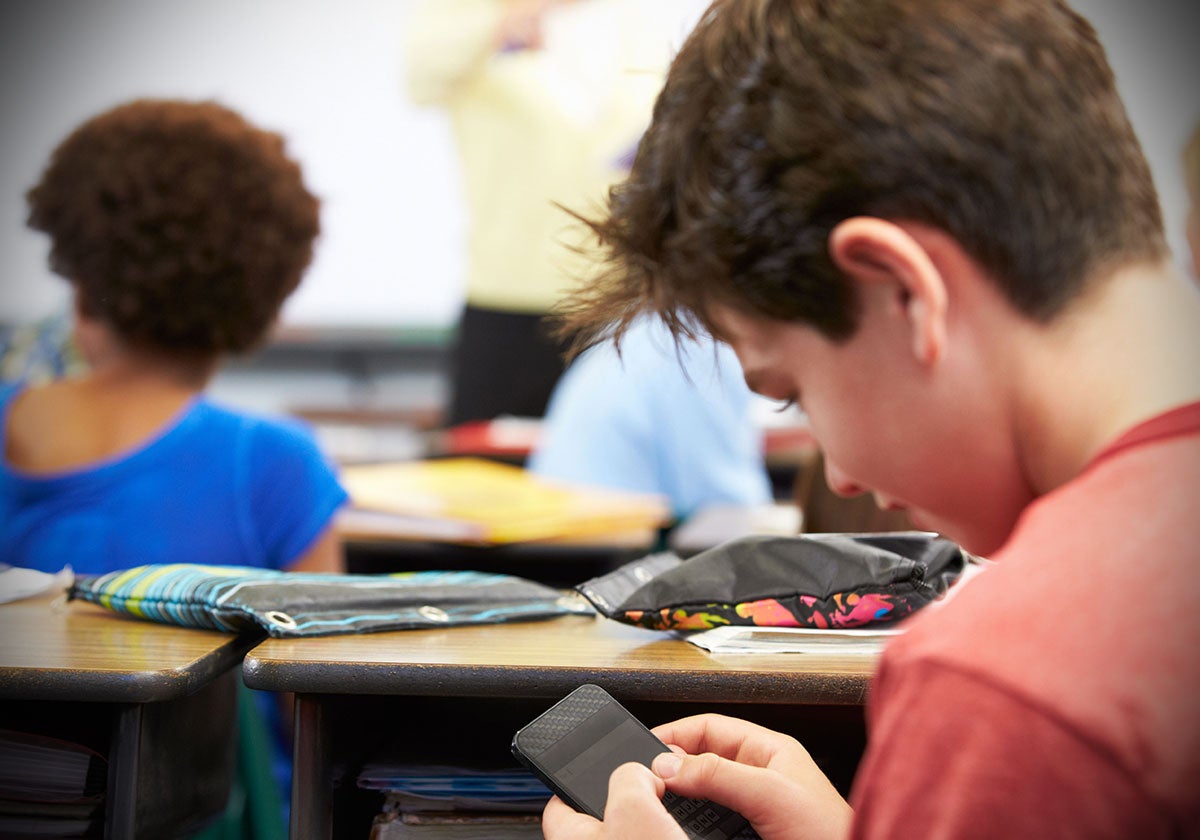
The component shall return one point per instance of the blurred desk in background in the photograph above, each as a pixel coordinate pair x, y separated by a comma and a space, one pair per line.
371, 548
716, 524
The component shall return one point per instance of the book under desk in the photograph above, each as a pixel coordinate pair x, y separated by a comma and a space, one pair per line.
158, 702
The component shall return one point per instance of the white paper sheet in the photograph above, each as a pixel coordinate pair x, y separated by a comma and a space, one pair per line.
17, 583
867, 641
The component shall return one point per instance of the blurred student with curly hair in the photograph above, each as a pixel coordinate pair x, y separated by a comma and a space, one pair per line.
181, 229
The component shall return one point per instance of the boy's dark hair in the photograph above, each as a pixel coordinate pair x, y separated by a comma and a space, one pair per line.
996, 122
180, 225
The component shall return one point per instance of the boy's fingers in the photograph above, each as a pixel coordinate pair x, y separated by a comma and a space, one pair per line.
724, 736
635, 806
560, 821
755, 793
774, 804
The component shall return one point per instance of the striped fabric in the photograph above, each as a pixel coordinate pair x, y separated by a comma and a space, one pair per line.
237, 599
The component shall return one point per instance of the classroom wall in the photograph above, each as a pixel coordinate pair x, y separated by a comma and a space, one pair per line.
1154, 48
329, 75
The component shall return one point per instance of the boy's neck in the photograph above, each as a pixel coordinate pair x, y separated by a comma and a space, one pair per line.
1125, 353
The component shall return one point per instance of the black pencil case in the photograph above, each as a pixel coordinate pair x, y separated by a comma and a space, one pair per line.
816, 580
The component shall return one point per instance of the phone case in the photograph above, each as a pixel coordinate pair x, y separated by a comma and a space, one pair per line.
588, 713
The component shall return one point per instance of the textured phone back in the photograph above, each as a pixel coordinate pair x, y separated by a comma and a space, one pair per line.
564, 716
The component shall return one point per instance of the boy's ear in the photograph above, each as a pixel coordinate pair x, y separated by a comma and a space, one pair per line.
871, 250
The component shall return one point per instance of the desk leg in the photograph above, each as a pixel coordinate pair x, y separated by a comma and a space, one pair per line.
312, 776
171, 763
121, 808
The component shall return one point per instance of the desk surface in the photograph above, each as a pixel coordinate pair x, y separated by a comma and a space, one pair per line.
548, 659
52, 650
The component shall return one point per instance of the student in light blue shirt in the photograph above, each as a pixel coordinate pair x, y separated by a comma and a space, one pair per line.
656, 420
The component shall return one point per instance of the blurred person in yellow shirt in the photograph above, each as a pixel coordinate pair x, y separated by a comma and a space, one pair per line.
547, 100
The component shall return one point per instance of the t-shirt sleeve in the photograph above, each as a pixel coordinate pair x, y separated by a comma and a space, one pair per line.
952, 755
293, 490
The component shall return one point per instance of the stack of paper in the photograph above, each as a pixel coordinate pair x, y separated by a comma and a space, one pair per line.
456, 826
426, 801
48, 787
868, 641
479, 501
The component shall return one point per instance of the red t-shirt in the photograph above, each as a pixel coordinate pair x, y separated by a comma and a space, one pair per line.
1057, 694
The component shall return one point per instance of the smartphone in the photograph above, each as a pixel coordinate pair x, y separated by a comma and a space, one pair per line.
574, 746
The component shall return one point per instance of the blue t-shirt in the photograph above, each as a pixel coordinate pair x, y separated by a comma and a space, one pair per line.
655, 420
217, 486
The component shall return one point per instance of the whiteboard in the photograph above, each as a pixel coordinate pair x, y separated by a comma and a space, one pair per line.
329, 76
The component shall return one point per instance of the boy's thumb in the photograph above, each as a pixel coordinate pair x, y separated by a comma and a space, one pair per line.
745, 789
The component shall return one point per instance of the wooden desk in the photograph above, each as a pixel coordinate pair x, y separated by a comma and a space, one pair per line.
158, 701
456, 695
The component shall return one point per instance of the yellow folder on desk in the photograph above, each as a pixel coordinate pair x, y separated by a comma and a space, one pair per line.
481, 501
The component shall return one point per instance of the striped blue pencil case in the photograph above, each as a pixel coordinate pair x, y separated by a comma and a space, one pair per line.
285, 604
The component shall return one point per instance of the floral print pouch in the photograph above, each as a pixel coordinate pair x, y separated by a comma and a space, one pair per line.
814, 580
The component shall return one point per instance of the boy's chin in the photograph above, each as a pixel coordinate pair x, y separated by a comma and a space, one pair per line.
980, 541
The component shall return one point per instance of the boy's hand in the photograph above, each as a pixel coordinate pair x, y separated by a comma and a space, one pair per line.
766, 776
634, 810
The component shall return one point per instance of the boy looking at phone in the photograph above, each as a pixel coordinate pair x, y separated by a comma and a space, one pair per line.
932, 225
